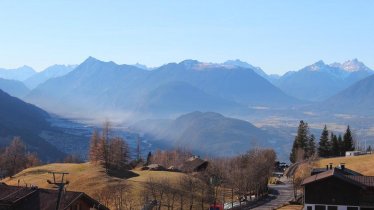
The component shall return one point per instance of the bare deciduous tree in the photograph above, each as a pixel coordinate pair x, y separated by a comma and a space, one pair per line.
15, 158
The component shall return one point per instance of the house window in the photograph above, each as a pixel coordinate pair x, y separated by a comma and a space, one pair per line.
332, 208
309, 208
320, 207
352, 208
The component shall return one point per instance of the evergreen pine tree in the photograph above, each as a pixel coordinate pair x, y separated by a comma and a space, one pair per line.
300, 143
149, 156
293, 151
324, 146
348, 140
335, 148
369, 149
302, 135
311, 146
341, 146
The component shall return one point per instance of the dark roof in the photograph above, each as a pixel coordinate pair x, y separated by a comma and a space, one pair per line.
346, 171
194, 164
48, 198
358, 180
12, 194
368, 181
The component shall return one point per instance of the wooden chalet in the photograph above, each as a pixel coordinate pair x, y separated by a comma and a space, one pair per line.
33, 198
194, 164
338, 189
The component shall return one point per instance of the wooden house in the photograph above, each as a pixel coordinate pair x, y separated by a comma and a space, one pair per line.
194, 164
338, 189
33, 198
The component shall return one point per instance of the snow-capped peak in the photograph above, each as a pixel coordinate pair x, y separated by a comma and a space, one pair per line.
317, 66
351, 66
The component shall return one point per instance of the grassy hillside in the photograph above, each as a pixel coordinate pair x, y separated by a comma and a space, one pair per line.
88, 178
363, 164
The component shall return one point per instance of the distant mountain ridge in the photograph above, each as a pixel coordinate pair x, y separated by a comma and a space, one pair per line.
356, 99
50, 72
352, 66
13, 87
319, 81
20, 73
109, 86
243, 64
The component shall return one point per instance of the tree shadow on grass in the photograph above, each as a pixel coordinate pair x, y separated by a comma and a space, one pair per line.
122, 173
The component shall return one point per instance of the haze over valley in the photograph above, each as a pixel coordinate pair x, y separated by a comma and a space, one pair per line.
186, 103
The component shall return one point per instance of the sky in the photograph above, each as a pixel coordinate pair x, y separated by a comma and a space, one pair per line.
278, 35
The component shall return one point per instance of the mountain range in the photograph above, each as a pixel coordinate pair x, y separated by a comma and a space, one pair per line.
175, 87
319, 81
20, 73
207, 92
356, 99
50, 72
233, 86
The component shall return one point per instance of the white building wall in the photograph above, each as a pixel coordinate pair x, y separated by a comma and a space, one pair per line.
339, 206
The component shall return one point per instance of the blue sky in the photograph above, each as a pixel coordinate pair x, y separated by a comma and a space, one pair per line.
278, 36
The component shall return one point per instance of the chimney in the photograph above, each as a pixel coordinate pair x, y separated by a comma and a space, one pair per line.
342, 166
330, 165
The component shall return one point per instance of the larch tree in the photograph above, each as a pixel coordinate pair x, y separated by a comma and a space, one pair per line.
118, 152
111, 152
94, 147
15, 158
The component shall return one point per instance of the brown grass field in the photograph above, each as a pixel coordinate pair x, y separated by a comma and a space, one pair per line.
291, 207
363, 164
87, 177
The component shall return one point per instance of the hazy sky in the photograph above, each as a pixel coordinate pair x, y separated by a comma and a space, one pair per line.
277, 35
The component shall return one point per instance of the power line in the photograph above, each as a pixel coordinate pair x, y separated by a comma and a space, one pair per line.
60, 185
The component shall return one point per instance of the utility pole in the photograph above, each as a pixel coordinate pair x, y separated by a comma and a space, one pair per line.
60, 185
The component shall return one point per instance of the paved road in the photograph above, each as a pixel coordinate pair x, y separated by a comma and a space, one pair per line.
281, 194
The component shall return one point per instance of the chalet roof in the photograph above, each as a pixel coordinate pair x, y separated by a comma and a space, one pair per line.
156, 167
193, 164
358, 180
49, 198
12, 194
346, 171
364, 180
